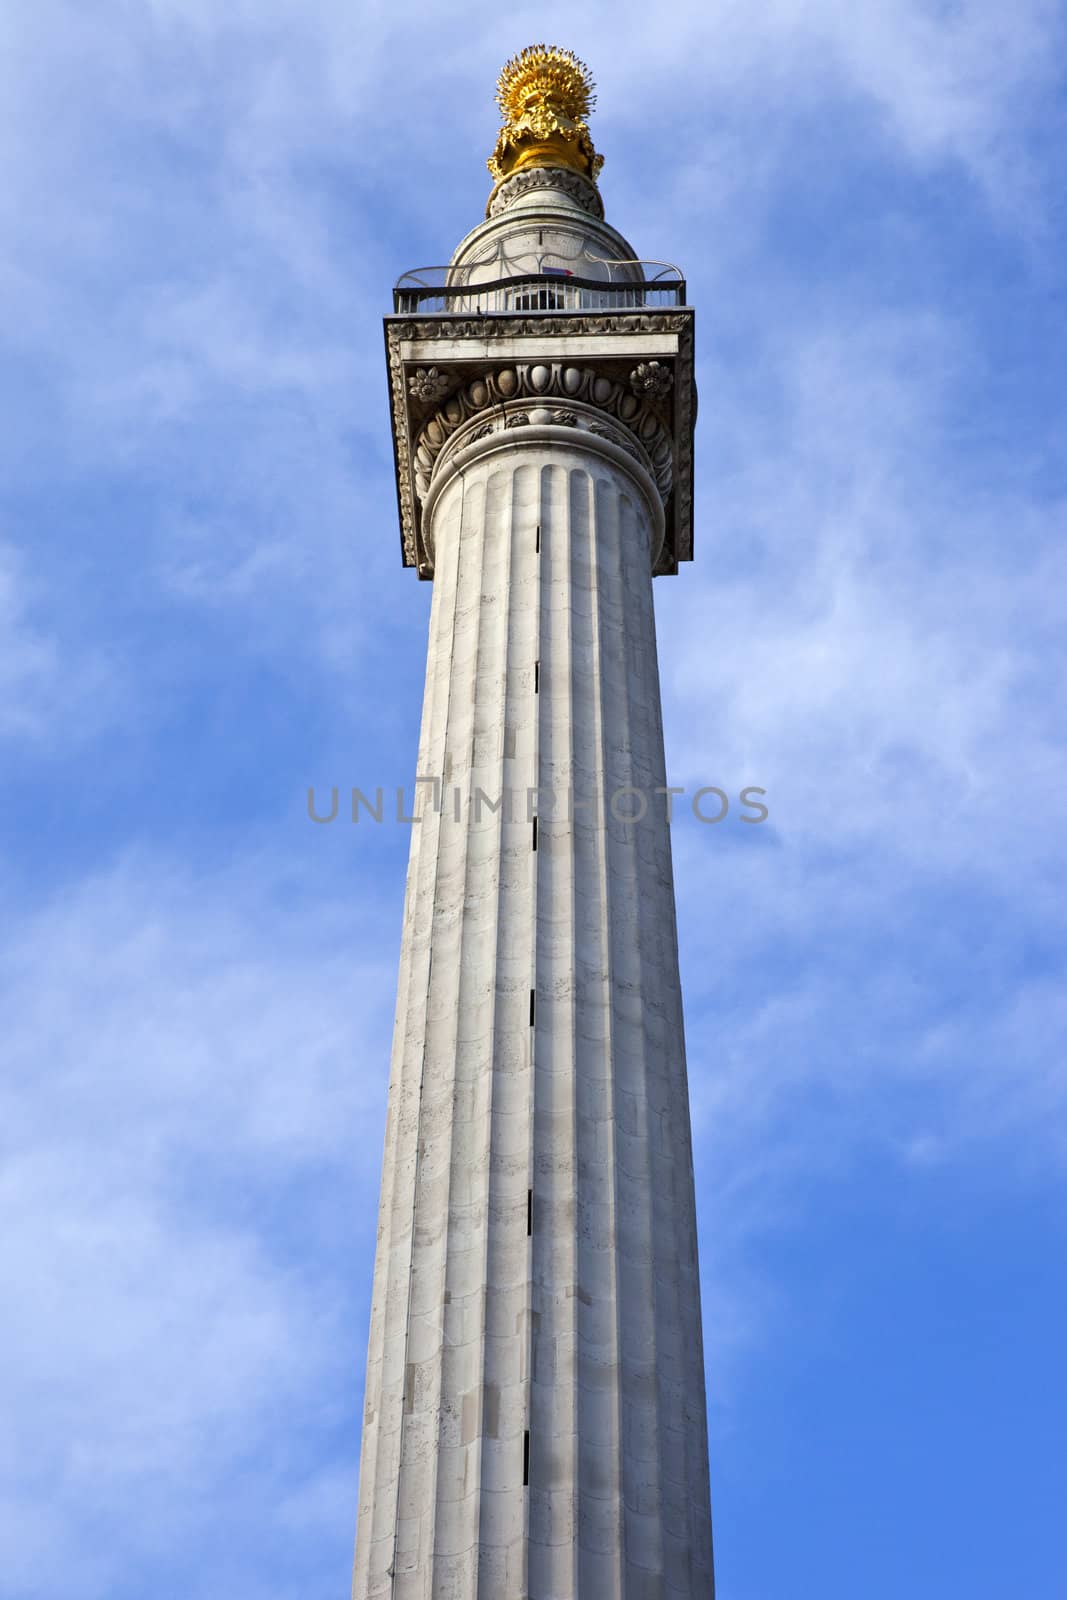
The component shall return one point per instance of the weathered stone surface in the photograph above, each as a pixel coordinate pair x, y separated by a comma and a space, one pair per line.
535, 1418
586, 1333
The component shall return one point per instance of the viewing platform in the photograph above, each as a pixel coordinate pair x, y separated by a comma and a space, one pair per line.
609, 286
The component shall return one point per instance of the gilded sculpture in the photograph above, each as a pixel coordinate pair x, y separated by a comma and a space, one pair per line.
545, 94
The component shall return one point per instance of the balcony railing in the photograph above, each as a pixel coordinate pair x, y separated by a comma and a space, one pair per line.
648, 284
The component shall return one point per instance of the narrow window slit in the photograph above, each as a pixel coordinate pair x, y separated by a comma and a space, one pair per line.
537, 539
533, 998
526, 1459
537, 677
535, 833
529, 1213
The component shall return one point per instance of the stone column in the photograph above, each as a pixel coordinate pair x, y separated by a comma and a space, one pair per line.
535, 1419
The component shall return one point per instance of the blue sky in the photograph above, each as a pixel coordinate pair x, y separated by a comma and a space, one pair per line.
202, 612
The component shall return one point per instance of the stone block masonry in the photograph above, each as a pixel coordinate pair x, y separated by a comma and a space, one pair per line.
535, 1416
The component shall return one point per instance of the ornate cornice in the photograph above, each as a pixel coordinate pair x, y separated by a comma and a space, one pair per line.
457, 374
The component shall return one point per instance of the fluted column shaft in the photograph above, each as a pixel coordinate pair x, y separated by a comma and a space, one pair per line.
535, 1419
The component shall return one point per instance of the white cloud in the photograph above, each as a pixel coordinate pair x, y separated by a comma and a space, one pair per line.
186, 1064
28, 659
879, 647
207, 206
52, 690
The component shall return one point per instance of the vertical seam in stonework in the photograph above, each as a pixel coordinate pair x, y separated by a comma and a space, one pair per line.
568, 568
541, 879
382, 1278
503, 893
449, 1257
422, 1073
698, 1509
595, 541
531, 1106
561, 1270
620, 1431
478, 645
380, 1300
463, 523
660, 1238
477, 1587
382, 1274
586, 862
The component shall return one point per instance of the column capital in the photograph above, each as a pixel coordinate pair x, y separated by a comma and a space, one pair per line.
562, 428
453, 375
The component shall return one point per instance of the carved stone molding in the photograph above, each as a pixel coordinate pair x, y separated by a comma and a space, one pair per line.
504, 327
545, 381
650, 378
570, 183
546, 423
428, 384
467, 352
519, 414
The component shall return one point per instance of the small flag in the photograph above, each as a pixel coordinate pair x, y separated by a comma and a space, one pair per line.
556, 272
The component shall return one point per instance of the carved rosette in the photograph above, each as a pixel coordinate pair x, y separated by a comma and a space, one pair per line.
571, 396
428, 384
650, 378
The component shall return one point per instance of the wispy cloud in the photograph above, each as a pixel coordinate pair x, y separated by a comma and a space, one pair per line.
52, 688
201, 609
187, 1062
